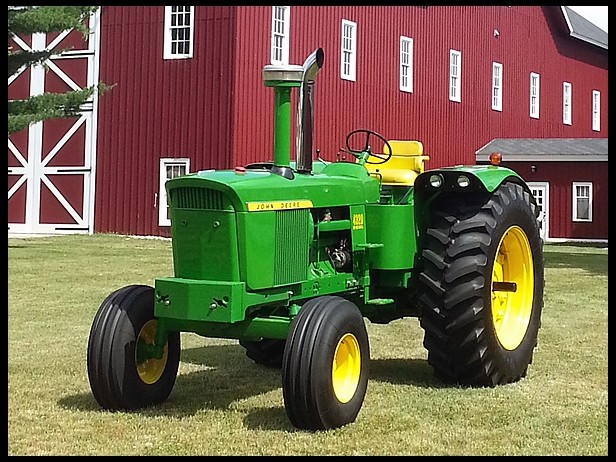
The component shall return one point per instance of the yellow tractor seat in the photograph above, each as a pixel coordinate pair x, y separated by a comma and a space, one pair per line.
405, 164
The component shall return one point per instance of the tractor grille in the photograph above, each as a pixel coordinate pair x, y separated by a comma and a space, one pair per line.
292, 246
196, 198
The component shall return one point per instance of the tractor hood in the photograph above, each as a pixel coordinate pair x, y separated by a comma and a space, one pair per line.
247, 190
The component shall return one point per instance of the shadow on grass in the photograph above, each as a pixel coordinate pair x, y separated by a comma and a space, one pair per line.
594, 264
229, 376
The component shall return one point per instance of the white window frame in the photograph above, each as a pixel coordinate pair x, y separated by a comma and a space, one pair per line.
596, 110
163, 205
567, 103
281, 22
578, 196
406, 64
544, 206
348, 50
534, 95
455, 75
169, 42
497, 86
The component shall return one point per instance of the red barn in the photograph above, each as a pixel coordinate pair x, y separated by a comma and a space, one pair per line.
188, 95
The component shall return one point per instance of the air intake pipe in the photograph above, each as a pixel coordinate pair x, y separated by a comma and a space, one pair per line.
305, 112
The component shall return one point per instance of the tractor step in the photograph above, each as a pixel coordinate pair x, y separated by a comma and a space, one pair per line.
380, 301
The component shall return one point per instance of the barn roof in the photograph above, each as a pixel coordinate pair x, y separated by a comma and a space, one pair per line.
582, 29
548, 149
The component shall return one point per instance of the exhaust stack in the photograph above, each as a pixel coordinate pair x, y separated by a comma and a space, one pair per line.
283, 78
305, 112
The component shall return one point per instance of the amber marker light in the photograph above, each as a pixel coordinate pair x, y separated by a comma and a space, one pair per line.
496, 158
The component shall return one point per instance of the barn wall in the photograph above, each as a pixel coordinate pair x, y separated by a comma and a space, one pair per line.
451, 131
560, 176
215, 110
157, 108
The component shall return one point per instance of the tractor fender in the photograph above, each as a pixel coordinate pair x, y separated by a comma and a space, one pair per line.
465, 179
456, 181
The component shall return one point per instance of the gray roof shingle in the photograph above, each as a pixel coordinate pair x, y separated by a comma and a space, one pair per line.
581, 28
521, 149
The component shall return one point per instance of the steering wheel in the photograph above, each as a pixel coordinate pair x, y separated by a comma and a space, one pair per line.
366, 147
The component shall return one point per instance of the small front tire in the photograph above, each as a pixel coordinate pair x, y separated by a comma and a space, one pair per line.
122, 374
325, 364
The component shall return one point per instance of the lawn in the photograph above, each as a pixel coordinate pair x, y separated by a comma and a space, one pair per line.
225, 404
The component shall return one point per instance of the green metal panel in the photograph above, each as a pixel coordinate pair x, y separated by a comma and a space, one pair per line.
393, 226
256, 246
204, 244
199, 300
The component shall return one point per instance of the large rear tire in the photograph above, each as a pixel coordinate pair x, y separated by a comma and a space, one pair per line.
482, 279
325, 364
122, 374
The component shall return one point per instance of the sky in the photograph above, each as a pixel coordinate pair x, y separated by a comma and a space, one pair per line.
595, 14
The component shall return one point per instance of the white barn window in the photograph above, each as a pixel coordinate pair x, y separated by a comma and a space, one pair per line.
596, 110
582, 201
281, 16
455, 74
348, 49
534, 95
497, 86
179, 30
566, 103
169, 168
406, 64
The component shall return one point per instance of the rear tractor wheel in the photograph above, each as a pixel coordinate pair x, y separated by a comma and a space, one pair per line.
482, 283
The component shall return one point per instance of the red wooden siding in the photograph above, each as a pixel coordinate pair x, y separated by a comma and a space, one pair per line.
451, 132
215, 110
252, 134
561, 176
158, 108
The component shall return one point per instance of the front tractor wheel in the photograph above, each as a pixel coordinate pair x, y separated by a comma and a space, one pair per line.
123, 373
482, 284
325, 364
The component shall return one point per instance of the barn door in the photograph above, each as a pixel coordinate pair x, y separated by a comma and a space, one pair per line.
51, 163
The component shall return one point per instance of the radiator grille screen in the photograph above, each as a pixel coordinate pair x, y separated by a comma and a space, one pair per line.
292, 246
196, 198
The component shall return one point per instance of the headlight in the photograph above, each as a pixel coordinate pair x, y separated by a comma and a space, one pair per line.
436, 180
463, 181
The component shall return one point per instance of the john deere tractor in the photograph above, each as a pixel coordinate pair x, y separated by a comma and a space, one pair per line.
290, 258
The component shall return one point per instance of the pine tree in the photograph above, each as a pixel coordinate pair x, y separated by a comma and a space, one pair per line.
25, 20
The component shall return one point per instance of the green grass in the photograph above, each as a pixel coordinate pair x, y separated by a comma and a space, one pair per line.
224, 404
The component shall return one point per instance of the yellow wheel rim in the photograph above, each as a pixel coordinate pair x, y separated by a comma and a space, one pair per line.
512, 288
346, 368
150, 370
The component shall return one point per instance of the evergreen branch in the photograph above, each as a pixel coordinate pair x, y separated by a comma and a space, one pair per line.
22, 113
32, 19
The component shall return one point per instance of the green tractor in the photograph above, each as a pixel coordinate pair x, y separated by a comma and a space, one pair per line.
289, 258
